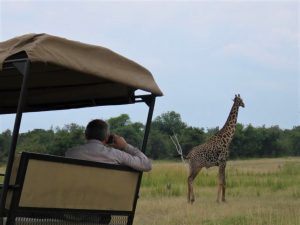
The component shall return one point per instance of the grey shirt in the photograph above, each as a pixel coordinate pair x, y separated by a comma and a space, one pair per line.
95, 150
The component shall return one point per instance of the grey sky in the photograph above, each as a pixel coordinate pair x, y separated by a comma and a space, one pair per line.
201, 53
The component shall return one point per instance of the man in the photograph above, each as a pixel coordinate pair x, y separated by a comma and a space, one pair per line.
98, 149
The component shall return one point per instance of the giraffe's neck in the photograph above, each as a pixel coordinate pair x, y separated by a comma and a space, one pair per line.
228, 129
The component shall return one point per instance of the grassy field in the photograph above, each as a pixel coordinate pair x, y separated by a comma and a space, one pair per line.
259, 192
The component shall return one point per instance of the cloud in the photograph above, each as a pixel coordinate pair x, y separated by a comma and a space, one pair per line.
260, 54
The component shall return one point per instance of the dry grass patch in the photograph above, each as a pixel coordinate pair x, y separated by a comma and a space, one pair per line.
259, 192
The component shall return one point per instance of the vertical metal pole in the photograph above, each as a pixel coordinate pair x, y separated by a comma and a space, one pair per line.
150, 102
148, 123
23, 68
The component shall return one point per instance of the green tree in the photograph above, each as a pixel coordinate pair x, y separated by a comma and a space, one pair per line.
116, 123
159, 145
169, 123
5, 140
132, 132
70, 135
37, 140
269, 144
295, 139
211, 131
247, 142
191, 137
236, 147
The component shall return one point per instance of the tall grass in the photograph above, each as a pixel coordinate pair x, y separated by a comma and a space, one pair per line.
259, 192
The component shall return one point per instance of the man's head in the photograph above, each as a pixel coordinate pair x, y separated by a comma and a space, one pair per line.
97, 129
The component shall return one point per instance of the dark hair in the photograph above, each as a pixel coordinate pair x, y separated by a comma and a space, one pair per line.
97, 129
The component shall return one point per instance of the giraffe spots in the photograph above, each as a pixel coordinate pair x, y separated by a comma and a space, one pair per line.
215, 151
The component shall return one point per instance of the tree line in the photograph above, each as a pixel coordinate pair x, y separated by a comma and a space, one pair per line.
247, 142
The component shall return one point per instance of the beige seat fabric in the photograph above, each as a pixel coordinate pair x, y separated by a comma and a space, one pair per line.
60, 185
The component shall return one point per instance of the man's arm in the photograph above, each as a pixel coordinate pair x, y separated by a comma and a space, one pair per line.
131, 156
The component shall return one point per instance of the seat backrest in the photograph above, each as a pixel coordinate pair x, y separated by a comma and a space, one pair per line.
56, 184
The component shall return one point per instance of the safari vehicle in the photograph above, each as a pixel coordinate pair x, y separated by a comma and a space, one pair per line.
40, 72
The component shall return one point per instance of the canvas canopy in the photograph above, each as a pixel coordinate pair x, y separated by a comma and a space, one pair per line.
68, 74
39, 72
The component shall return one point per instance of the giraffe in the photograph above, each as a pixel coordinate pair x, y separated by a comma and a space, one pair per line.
214, 152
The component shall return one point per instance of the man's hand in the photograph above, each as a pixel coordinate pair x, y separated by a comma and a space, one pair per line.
119, 142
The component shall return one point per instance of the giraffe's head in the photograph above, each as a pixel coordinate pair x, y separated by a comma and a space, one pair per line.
239, 101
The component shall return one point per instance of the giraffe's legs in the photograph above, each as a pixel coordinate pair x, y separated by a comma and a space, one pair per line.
223, 192
222, 183
193, 173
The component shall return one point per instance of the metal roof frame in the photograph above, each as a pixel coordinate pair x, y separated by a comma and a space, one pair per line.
23, 67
